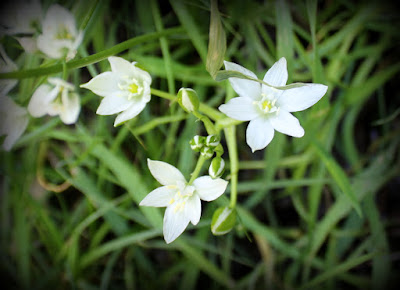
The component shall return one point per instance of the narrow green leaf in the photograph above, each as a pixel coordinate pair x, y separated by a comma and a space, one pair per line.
216, 42
338, 175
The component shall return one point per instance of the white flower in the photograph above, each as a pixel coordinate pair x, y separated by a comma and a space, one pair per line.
268, 108
181, 199
20, 17
6, 65
60, 37
13, 121
126, 89
56, 98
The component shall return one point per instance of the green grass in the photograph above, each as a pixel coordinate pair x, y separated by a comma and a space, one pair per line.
316, 212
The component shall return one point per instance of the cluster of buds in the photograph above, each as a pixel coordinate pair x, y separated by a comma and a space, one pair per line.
207, 146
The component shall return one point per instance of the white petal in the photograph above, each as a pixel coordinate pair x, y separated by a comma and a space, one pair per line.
209, 189
72, 107
240, 108
159, 197
104, 84
259, 134
245, 88
120, 65
287, 124
112, 105
41, 99
165, 173
277, 75
133, 110
13, 121
175, 223
192, 209
301, 98
28, 44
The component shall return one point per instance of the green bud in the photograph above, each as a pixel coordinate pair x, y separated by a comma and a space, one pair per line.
188, 100
217, 167
207, 152
223, 220
197, 143
212, 141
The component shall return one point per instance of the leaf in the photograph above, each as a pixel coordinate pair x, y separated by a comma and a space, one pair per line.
338, 175
216, 42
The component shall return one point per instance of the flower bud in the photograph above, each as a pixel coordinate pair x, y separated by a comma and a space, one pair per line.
188, 100
223, 220
197, 143
212, 141
217, 167
207, 152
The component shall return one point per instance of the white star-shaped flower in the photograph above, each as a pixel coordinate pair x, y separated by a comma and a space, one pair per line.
60, 37
181, 199
56, 98
13, 121
126, 89
267, 108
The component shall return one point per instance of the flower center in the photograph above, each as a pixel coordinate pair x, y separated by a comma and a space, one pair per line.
267, 104
180, 198
63, 33
131, 87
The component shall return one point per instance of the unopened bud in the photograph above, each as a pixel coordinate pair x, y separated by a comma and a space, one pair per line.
212, 141
188, 100
207, 152
197, 143
223, 220
217, 167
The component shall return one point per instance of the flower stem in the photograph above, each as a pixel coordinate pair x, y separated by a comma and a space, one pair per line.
197, 170
85, 61
230, 134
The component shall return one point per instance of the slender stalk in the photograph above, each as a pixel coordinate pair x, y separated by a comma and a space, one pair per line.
230, 134
197, 170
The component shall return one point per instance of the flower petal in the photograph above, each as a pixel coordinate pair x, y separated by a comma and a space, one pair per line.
259, 134
159, 197
72, 107
112, 105
120, 65
277, 75
287, 124
165, 173
133, 110
175, 223
13, 121
240, 108
301, 98
41, 99
209, 189
245, 88
192, 209
104, 84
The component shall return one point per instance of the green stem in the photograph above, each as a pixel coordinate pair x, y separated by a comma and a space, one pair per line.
207, 123
85, 61
197, 170
230, 134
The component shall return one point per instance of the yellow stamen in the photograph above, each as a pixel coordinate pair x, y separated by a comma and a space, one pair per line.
133, 88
